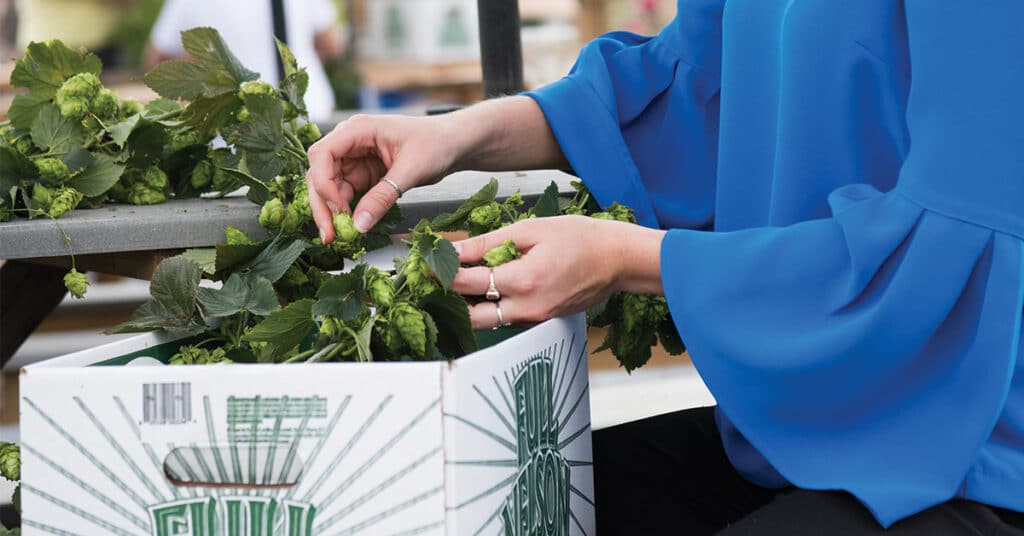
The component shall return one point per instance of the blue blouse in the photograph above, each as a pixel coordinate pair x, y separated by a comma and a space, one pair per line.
844, 184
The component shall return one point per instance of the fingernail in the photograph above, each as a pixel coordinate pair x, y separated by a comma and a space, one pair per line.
322, 239
363, 222
458, 247
332, 206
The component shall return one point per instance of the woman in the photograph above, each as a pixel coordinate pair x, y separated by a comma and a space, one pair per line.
832, 198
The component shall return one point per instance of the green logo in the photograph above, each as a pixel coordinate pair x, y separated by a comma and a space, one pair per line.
231, 516
539, 501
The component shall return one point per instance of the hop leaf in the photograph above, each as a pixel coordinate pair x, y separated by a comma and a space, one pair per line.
76, 283
10, 461
502, 254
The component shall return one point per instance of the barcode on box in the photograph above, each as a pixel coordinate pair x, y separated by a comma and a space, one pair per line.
166, 403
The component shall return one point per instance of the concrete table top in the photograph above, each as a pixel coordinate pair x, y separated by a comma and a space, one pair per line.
201, 222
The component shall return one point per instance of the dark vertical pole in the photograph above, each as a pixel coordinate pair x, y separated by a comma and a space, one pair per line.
501, 49
280, 32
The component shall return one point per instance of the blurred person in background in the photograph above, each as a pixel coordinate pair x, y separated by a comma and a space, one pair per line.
78, 23
311, 31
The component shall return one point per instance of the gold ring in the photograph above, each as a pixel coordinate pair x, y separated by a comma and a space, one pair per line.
394, 185
492, 291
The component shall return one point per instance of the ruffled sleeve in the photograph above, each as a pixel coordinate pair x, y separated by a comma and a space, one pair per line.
872, 351
637, 117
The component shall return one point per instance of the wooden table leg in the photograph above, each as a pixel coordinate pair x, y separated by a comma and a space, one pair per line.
28, 293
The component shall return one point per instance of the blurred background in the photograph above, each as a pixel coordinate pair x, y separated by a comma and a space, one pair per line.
372, 54
369, 55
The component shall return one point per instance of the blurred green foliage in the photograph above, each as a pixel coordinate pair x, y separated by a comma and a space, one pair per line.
133, 29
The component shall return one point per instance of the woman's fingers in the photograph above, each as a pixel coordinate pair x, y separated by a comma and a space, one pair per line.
484, 315
376, 203
476, 280
471, 250
321, 214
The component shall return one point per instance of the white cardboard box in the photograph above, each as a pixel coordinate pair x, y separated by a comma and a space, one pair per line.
497, 442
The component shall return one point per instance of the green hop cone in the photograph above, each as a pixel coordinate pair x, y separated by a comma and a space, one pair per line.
243, 115
617, 212
290, 111
118, 192
407, 328
271, 214
64, 200
224, 181
292, 220
293, 277
256, 87
514, 200
75, 96
308, 134
184, 140
485, 218
194, 355
10, 461
130, 107
234, 237
53, 170
155, 178
202, 175
24, 145
380, 287
280, 186
345, 228
105, 104
42, 196
141, 194
417, 275
502, 254
76, 283
330, 326
300, 199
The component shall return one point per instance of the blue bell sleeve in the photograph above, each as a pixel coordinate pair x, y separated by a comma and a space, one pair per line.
872, 351
637, 117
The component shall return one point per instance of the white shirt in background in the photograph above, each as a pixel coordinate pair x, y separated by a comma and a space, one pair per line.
247, 27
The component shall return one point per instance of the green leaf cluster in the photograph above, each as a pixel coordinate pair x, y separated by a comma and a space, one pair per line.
10, 469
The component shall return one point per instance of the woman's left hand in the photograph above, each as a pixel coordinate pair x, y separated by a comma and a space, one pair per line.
569, 263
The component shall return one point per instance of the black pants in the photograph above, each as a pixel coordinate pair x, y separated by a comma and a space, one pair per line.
669, 475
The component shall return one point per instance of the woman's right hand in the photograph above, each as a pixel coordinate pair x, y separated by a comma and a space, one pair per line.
363, 150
